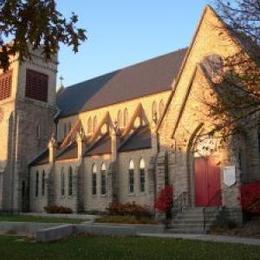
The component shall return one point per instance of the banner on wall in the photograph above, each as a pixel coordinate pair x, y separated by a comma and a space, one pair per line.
229, 175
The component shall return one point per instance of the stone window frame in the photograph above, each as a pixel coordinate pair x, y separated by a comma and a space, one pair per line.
70, 181
38, 131
142, 177
154, 110
37, 184
119, 118
94, 180
90, 126
131, 177
161, 108
43, 183
94, 124
62, 182
103, 179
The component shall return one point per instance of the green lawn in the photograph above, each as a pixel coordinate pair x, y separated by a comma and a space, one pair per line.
22, 218
94, 247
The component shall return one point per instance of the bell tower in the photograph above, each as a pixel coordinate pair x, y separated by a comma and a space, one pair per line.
27, 110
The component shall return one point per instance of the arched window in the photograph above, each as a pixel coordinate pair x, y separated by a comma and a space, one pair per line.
161, 108
131, 177
37, 184
70, 180
103, 179
142, 175
94, 123
154, 110
119, 118
62, 182
90, 125
94, 179
43, 183
125, 117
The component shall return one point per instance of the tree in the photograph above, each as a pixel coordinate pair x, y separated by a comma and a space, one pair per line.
236, 79
26, 24
242, 16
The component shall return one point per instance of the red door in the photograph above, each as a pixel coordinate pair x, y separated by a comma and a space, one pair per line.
207, 182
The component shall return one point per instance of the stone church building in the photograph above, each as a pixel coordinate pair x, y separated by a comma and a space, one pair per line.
121, 136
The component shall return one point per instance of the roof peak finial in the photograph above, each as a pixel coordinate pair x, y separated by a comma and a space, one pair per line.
61, 81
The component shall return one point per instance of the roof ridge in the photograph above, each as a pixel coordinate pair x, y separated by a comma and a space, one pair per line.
145, 78
127, 67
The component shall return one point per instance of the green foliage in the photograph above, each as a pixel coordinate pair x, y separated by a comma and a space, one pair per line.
35, 23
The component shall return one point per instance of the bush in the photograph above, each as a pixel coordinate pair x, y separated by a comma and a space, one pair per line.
58, 209
250, 197
164, 202
128, 209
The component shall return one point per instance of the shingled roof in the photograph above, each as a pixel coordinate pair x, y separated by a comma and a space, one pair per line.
70, 152
142, 79
101, 146
139, 139
43, 158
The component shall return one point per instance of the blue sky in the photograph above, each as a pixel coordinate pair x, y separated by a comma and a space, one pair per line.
122, 33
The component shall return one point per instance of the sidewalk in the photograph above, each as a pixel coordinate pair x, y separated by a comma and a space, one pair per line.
117, 230
205, 237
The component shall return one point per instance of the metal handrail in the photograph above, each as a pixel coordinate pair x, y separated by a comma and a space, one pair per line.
217, 193
180, 203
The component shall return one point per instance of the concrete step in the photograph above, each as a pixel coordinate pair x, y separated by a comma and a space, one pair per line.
191, 220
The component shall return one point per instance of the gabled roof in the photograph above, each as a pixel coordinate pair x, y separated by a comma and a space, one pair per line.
70, 152
43, 158
238, 39
146, 78
139, 139
101, 146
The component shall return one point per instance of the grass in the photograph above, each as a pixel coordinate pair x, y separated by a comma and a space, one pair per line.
97, 247
125, 220
38, 219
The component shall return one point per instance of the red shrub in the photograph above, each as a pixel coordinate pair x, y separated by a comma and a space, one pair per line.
250, 197
164, 202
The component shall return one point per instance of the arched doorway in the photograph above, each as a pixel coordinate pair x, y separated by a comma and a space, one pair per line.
207, 186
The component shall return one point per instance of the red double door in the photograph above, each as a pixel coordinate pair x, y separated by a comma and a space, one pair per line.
207, 182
